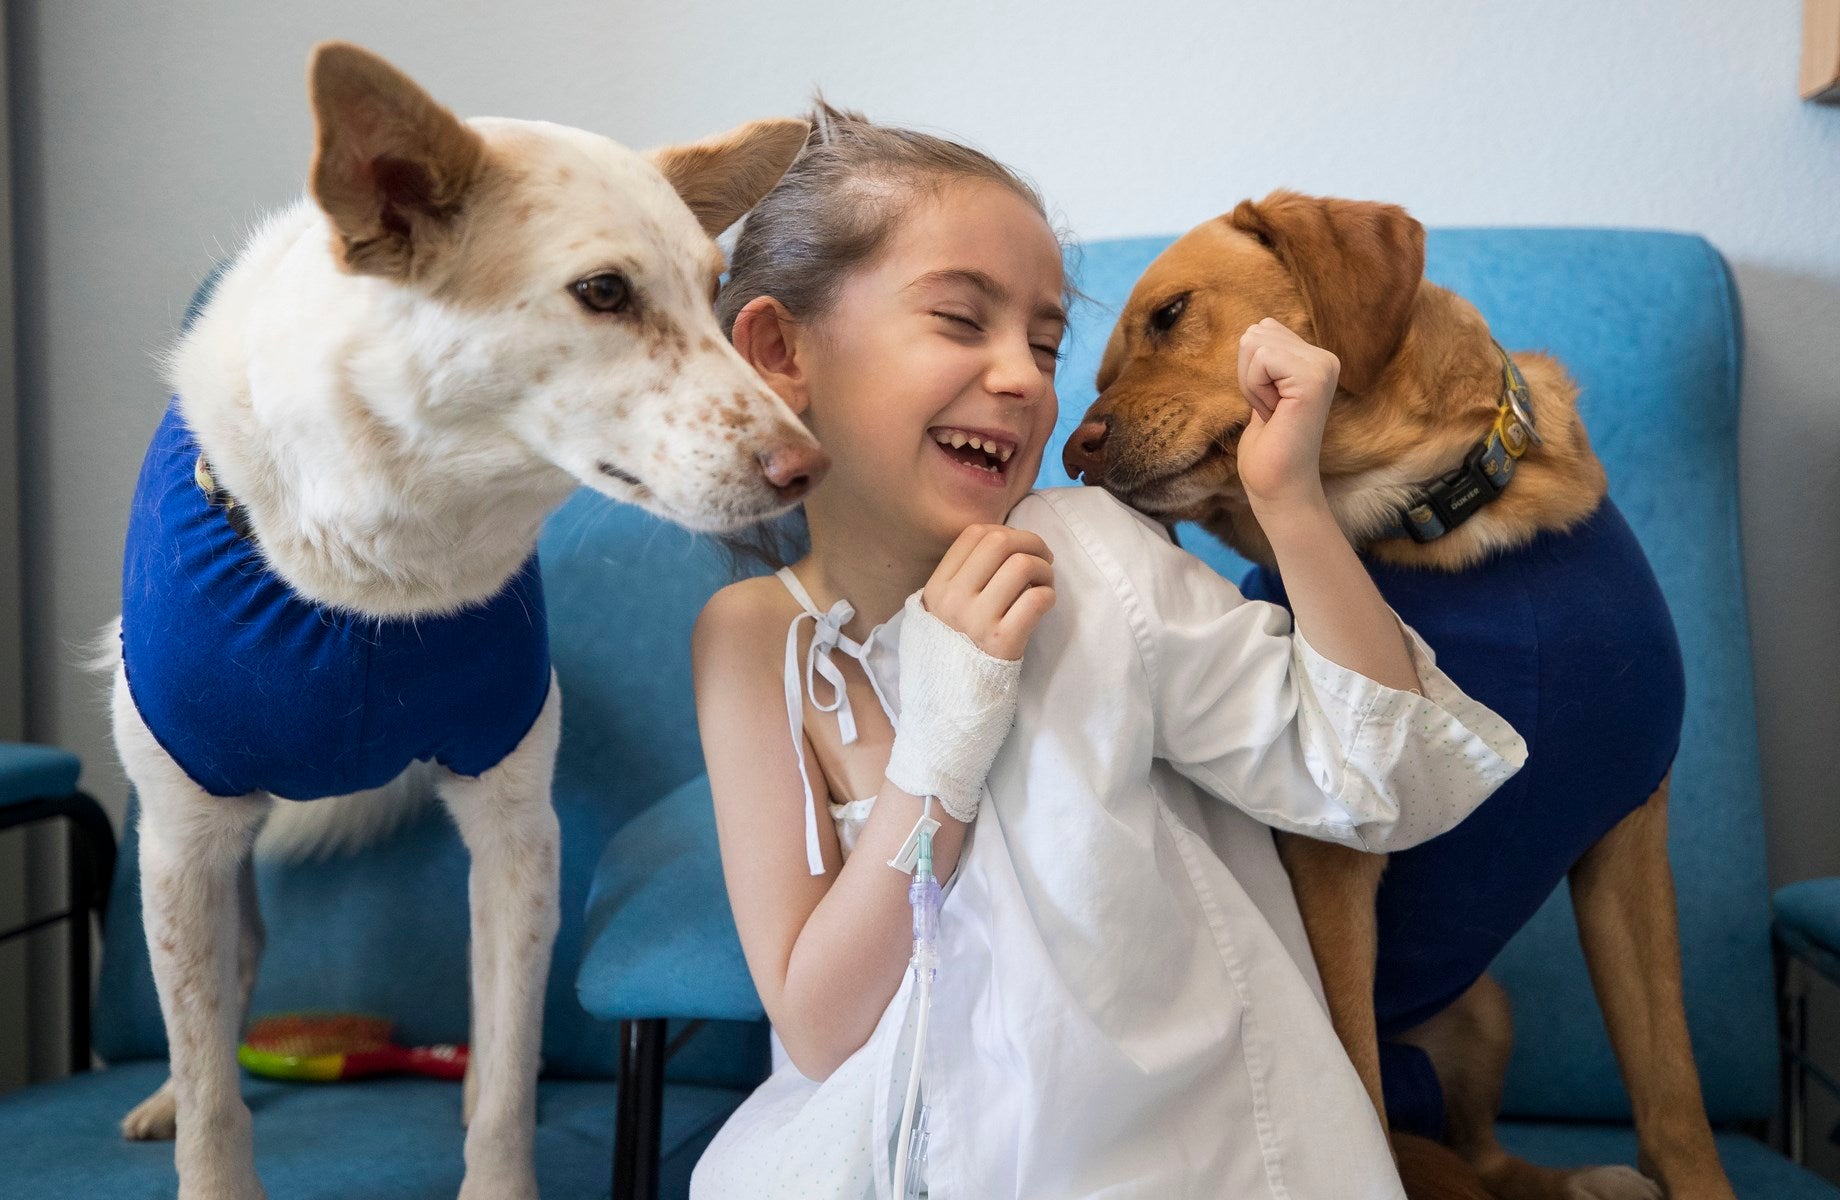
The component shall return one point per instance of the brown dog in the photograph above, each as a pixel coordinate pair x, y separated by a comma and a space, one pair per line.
1422, 381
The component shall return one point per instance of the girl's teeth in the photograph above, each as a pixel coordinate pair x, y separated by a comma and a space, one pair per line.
959, 441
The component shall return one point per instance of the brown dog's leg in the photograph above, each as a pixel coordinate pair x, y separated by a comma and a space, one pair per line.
1335, 889
1623, 896
1469, 1044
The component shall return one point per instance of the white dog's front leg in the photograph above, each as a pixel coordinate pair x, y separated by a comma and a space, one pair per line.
193, 850
510, 829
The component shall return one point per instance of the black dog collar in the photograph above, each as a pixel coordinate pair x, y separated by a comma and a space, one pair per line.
1454, 497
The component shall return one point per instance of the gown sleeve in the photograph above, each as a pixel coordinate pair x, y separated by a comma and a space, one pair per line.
1250, 711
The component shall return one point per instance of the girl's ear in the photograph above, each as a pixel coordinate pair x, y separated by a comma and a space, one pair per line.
767, 336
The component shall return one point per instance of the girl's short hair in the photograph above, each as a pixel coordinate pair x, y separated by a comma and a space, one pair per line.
830, 215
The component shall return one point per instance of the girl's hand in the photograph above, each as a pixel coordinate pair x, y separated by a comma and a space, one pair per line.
994, 586
1289, 384
961, 663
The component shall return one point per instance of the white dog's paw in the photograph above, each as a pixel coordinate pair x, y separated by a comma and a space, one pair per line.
219, 1191
1611, 1183
499, 1185
153, 1119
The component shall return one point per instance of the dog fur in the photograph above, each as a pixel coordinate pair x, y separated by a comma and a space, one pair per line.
398, 379
1420, 382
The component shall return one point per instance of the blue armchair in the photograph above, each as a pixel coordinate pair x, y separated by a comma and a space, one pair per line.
1648, 322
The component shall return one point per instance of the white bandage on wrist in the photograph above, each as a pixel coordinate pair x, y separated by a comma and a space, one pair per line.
957, 703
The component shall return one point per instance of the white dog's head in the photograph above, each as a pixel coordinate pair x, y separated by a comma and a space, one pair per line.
556, 288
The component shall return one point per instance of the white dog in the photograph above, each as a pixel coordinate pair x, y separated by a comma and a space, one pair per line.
331, 569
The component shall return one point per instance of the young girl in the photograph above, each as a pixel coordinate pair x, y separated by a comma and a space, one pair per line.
1126, 1003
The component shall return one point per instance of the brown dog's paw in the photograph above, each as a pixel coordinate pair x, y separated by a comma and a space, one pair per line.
1611, 1183
1430, 1171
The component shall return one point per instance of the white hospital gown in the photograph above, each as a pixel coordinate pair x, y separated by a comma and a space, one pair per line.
1126, 1003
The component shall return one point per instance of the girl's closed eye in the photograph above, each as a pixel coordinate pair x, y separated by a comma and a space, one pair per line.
1050, 348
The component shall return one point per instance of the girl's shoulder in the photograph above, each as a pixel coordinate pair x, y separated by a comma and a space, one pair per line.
747, 615
1094, 524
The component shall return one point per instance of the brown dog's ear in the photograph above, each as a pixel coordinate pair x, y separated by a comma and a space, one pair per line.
721, 177
390, 167
1358, 264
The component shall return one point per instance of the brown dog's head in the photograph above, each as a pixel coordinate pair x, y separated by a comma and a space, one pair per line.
1164, 433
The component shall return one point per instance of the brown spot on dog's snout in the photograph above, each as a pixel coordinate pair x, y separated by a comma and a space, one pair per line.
734, 414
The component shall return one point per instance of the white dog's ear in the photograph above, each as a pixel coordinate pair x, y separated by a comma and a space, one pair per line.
390, 166
721, 177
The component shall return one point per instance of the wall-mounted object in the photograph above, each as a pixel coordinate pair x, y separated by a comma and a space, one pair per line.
1821, 50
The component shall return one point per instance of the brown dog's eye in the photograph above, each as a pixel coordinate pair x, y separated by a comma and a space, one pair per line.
1165, 318
607, 292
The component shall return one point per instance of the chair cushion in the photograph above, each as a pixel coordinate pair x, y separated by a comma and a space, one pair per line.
1756, 1171
387, 1139
28, 772
661, 939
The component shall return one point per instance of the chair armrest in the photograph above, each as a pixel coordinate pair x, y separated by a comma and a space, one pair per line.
660, 938
39, 783
1808, 923
30, 772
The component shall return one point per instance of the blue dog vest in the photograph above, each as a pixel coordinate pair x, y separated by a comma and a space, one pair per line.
1569, 640
251, 687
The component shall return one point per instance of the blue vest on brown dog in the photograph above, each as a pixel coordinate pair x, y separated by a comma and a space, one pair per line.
1569, 640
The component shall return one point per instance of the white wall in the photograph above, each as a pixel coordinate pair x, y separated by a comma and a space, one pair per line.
148, 137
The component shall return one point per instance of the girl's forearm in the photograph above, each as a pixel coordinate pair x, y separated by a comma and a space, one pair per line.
849, 958
1333, 600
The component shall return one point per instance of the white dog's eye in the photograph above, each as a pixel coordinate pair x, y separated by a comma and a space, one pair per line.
607, 292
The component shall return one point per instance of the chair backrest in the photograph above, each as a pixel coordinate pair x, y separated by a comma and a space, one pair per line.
1647, 322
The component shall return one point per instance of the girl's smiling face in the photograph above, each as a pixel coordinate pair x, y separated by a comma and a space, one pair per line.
930, 380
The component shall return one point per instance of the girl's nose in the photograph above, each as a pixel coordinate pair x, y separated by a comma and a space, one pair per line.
1015, 373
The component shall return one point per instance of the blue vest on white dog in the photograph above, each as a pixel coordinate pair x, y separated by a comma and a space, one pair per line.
250, 687
1569, 640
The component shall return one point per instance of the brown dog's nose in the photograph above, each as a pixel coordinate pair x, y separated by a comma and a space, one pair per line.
1084, 453
793, 470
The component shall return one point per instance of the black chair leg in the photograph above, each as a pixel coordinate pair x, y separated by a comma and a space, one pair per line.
1792, 1029
81, 888
91, 841
639, 1122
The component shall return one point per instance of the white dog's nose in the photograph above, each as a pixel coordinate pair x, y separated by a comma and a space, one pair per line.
793, 470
